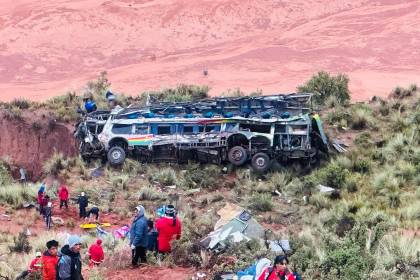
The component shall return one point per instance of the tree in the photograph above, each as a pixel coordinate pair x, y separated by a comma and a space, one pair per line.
325, 86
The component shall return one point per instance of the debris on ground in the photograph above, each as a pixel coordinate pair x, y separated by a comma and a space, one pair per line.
57, 221
97, 172
325, 189
339, 145
233, 226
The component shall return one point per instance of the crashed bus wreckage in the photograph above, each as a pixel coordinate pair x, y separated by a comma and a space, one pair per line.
236, 130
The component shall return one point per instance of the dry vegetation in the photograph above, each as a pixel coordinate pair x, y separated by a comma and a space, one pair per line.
369, 230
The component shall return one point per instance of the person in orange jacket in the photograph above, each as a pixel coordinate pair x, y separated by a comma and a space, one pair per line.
49, 261
96, 253
169, 228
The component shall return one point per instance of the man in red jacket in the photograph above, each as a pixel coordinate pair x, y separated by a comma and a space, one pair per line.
63, 194
96, 253
169, 228
49, 261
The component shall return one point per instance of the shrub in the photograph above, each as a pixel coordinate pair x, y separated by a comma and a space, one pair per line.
21, 103
181, 93
323, 85
164, 176
361, 117
121, 181
21, 244
197, 176
55, 164
5, 177
320, 201
261, 202
149, 193
334, 176
339, 116
15, 195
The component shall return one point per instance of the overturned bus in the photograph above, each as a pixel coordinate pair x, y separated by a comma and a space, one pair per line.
236, 130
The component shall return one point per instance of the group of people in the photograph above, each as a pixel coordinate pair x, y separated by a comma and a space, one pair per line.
64, 264
45, 204
144, 235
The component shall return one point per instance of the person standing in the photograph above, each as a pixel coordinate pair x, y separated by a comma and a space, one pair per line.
70, 263
41, 193
48, 215
83, 202
138, 237
63, 194
44, 204
96, 253
169, 229
49, 261
35, 263
22, 178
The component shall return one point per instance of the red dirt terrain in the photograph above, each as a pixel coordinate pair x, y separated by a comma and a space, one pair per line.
48, 47
30, 141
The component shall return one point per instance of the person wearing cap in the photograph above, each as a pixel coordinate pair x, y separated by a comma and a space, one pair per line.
83, 202
35, 265
48, 215
96, 253
138, 237
169, 228
279, 271
63, 194
49, 261
70, 263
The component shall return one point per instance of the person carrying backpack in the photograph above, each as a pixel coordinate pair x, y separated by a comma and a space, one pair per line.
49, 261
169, 228
279, 270
83, 202
70, 263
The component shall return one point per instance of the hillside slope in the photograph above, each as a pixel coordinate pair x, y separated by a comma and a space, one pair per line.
48, 47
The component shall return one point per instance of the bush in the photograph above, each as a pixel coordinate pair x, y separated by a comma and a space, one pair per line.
164, 176
55, 164
121, 181
5, 177
149, 193
181, 93
197, 176
21, 103
21, 244
261, 202
324, 86
361, 117
16, 195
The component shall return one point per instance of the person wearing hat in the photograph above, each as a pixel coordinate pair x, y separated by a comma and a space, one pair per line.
70, 263
48, 215
279, 271
49, 261
96, 253
35, 263
169, 228
138, 237
83, 202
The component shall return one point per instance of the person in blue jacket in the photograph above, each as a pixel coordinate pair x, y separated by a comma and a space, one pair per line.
138, 237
